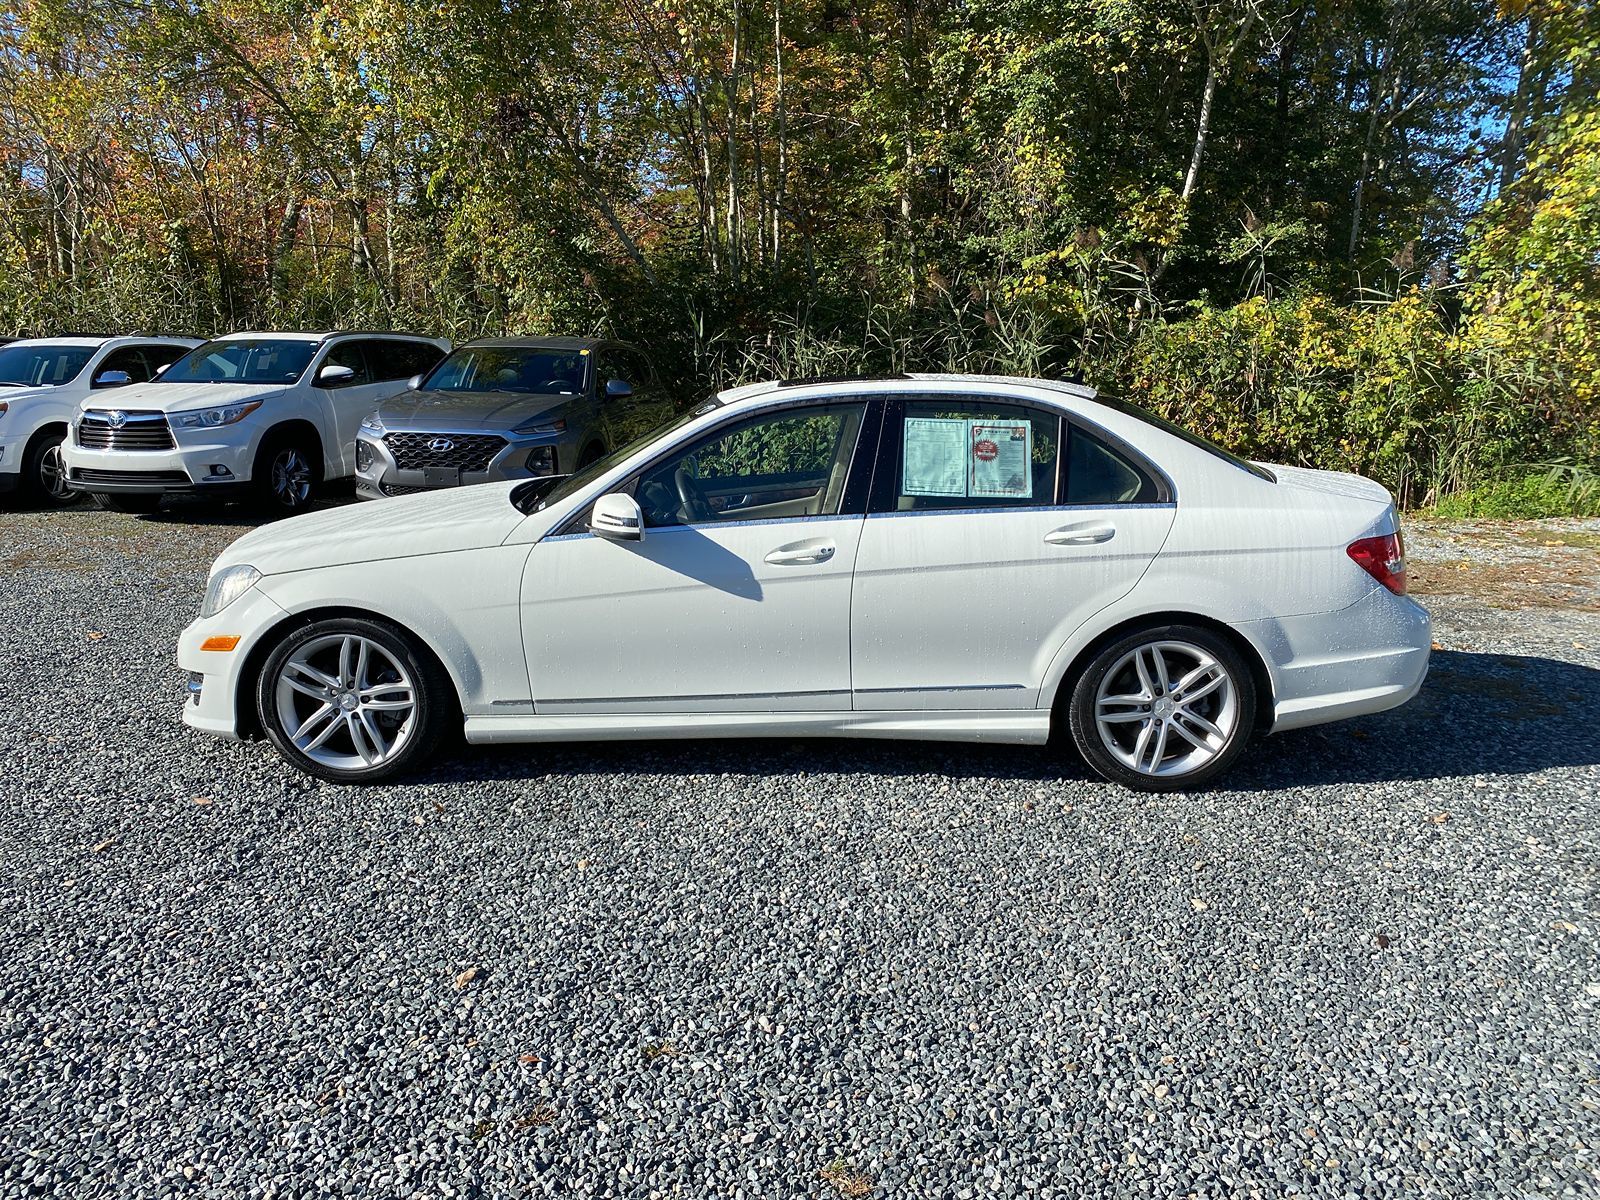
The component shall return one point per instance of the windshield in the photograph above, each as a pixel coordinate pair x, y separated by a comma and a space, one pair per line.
1194, 439
42, 366
536, 495
242, 360
529, 369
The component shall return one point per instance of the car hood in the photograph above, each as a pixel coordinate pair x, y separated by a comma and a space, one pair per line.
180, 397
465, 518
427, 411
13, 393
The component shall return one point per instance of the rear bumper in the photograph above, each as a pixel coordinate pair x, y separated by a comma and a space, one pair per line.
1360, 660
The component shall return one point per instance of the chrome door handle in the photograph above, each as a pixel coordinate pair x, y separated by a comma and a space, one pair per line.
1078, 535
796, 555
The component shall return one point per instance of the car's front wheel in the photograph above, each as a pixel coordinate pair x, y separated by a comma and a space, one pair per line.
1164, 709
44, 473
133, 503
352, 700
286, 476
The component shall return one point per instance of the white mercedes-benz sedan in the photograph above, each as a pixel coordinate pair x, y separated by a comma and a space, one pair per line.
942, 557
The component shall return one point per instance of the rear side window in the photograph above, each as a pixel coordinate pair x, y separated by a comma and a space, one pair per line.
1097, 473
955, 453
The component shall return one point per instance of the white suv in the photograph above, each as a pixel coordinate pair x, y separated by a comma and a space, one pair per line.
266, 416
42, 383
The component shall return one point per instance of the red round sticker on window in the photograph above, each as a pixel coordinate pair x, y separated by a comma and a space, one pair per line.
985, 451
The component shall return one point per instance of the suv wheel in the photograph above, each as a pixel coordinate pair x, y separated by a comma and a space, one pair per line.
1164, 709
44, 473
285, 476
129, 502
352, 700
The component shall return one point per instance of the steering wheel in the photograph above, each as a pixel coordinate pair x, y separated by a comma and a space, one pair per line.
691, 498
552, 386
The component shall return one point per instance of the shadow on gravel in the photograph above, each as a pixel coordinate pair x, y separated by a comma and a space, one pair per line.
189, 510
1478, 714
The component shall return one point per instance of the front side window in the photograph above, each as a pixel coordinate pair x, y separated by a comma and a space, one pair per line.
395, 359
956, 453
42, 366
542, 372
793, 463
130, 360
242, 360
346, 354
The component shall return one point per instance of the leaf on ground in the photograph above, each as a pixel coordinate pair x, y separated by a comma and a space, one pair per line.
1439, 818
1383, 941
583, 864
466, 977
102, 847
529, 1059
95, 635
200, 799
1437, 646
1198, 904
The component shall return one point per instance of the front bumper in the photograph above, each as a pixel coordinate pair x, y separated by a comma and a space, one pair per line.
1364, 659
214, 701
214, 467
383, 477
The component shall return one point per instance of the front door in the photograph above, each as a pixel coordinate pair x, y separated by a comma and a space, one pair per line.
738, 596
995, 530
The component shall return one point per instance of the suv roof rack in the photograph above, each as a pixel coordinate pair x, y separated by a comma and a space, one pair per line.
803, 380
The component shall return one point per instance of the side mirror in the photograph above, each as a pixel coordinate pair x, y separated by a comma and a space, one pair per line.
335, 374
414, 382
617, 517
618, 388
112, 379
161, 369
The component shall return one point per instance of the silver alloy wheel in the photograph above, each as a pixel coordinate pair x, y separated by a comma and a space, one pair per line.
290, 478
345, 702
53, 473
1166, 708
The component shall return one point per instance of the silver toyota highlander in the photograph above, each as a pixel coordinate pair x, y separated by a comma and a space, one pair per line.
506, 408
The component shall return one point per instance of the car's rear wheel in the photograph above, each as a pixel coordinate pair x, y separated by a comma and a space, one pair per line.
129, 502
592, 453
44, 474
352, 700
285, 476
1164, 709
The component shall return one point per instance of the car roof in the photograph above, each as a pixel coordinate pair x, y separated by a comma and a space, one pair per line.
95, 340
312, 335
543, 342
867, 385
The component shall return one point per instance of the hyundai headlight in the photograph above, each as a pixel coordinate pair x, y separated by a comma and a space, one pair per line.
211, 418
227, 586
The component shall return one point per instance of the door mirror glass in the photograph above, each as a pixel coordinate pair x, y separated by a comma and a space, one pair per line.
618, 388
414, 382
335, 374
111, 379
160, 369
617, 517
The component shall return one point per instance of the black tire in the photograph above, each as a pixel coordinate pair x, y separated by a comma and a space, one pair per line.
1228, 708
286, 476
133, 503
435, 706
44, 475
592, 453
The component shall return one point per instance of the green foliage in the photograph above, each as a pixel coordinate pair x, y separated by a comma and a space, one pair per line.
1522, 498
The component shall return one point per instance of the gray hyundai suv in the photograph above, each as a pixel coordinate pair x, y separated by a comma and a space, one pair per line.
506, 408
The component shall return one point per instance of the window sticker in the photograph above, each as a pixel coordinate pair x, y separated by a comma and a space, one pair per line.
935, 457
1001, 462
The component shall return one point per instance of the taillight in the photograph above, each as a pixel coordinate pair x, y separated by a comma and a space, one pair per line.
1384, 558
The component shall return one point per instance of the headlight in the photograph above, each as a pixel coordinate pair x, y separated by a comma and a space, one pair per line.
372, 425
210, 418
227, 586
4, 408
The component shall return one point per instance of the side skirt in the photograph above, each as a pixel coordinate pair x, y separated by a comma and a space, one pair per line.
1023, 727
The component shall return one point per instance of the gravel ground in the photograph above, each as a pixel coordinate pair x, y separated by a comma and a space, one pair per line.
1367, 967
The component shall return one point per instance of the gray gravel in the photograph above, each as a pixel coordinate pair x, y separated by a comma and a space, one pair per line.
1368, 966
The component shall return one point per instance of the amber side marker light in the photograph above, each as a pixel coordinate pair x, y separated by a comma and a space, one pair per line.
223, 644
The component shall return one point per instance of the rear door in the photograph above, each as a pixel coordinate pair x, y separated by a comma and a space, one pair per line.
994, 530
